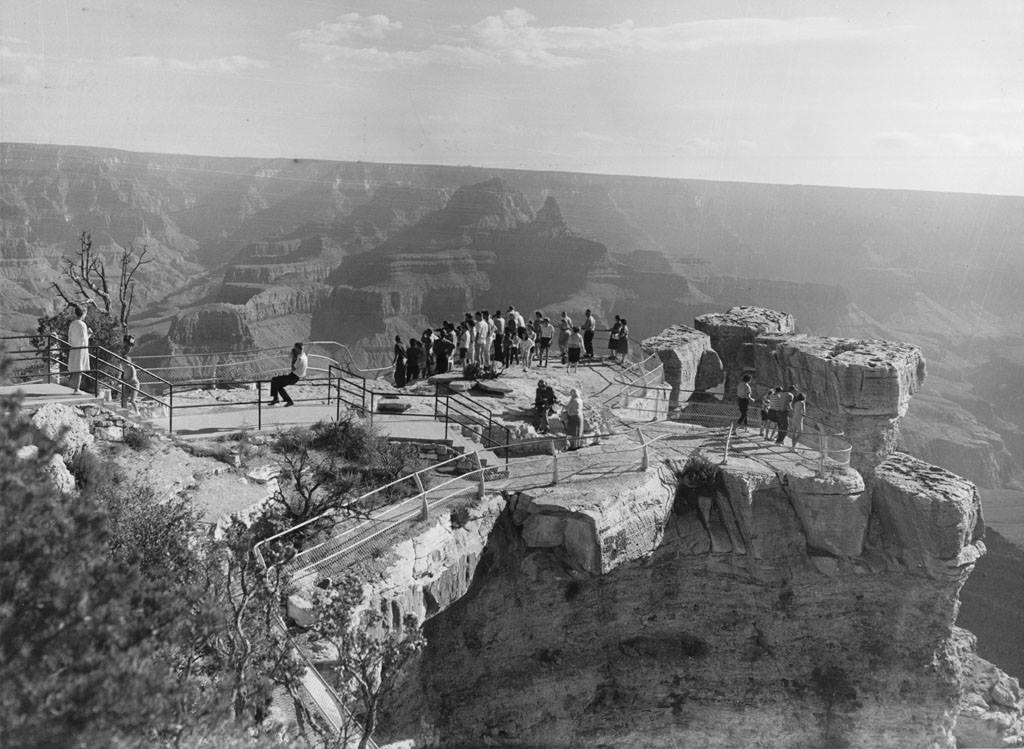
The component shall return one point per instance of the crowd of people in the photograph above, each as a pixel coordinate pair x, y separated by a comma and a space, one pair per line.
782, 411
493, 342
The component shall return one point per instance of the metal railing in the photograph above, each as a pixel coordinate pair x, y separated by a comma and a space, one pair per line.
361, 530
102, 373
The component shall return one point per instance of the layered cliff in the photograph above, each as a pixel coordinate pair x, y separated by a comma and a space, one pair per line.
778, 608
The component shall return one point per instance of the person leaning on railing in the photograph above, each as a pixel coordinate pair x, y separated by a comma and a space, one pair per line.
300, 363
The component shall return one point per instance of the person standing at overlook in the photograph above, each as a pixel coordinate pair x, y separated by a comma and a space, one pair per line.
744, 394
564, 329
622, 343
480, 332
546, 333
399, 362
785, 406
78, 356
613, 338
575, 349
499, 335
574, 419
300, 364
589, 326
796, 418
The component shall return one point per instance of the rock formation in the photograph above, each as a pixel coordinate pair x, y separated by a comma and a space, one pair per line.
732, 334
861, 388
689, 363
754, 612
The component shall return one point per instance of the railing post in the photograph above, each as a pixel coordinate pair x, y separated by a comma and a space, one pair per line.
49, 358
554, 462
170, 409
371, 406
645, 458
508, 440
259, 405
728, 441
447, 405
424, 510
480, 475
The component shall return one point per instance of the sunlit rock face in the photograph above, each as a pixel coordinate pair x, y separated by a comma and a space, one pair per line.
688, 361
859, 387
777, 607
930, 518
733, 332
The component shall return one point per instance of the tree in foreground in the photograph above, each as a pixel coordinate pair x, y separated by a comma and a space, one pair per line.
121, 621
371, 656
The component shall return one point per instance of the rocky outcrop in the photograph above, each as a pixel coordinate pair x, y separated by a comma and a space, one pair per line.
930, 519
65, 425
991, 710
689, 363
858, 387
594, 533
733, 620
833, 510
732, 334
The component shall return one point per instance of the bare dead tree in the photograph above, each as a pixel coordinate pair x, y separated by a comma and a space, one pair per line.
87, 276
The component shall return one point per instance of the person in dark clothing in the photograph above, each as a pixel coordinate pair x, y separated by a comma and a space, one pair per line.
399, 362
413, 359
440, 352
589, 326
544, 402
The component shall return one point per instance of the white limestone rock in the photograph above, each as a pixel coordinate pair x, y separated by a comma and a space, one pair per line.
688, 360
64, 425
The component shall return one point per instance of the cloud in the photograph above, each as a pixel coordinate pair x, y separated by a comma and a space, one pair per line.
944, 145
348, 27
515, 38
19, 68
230, 64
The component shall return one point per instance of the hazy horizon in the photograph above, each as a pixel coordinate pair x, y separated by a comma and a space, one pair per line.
841, 94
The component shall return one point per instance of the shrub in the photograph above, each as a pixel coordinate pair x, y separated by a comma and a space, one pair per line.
459, 517
138, 439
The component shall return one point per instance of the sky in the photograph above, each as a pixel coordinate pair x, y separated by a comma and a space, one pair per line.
913, 94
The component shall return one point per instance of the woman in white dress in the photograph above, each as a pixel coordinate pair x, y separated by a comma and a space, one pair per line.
78, 356
574, 419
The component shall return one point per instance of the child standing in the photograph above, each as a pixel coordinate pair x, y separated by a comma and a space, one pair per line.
526, 347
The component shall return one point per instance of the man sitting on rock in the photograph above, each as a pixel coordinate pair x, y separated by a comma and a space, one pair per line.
300, 363
544, 403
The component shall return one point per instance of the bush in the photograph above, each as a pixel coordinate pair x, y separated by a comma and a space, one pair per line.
138, 439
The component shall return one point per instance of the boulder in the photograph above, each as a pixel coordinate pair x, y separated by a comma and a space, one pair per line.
59, 475
63, 425
300, 610
109, 433
929, 517
732, 333
860, 388
688, 360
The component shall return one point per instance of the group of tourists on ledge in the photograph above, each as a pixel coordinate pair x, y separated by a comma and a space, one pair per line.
493, 341
782, 411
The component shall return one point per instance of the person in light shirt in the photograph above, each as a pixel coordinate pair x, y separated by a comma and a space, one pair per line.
744, 394
78, 356
300, 364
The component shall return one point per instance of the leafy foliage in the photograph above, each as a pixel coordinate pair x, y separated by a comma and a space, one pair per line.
121, 621
327, 467
372, 656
